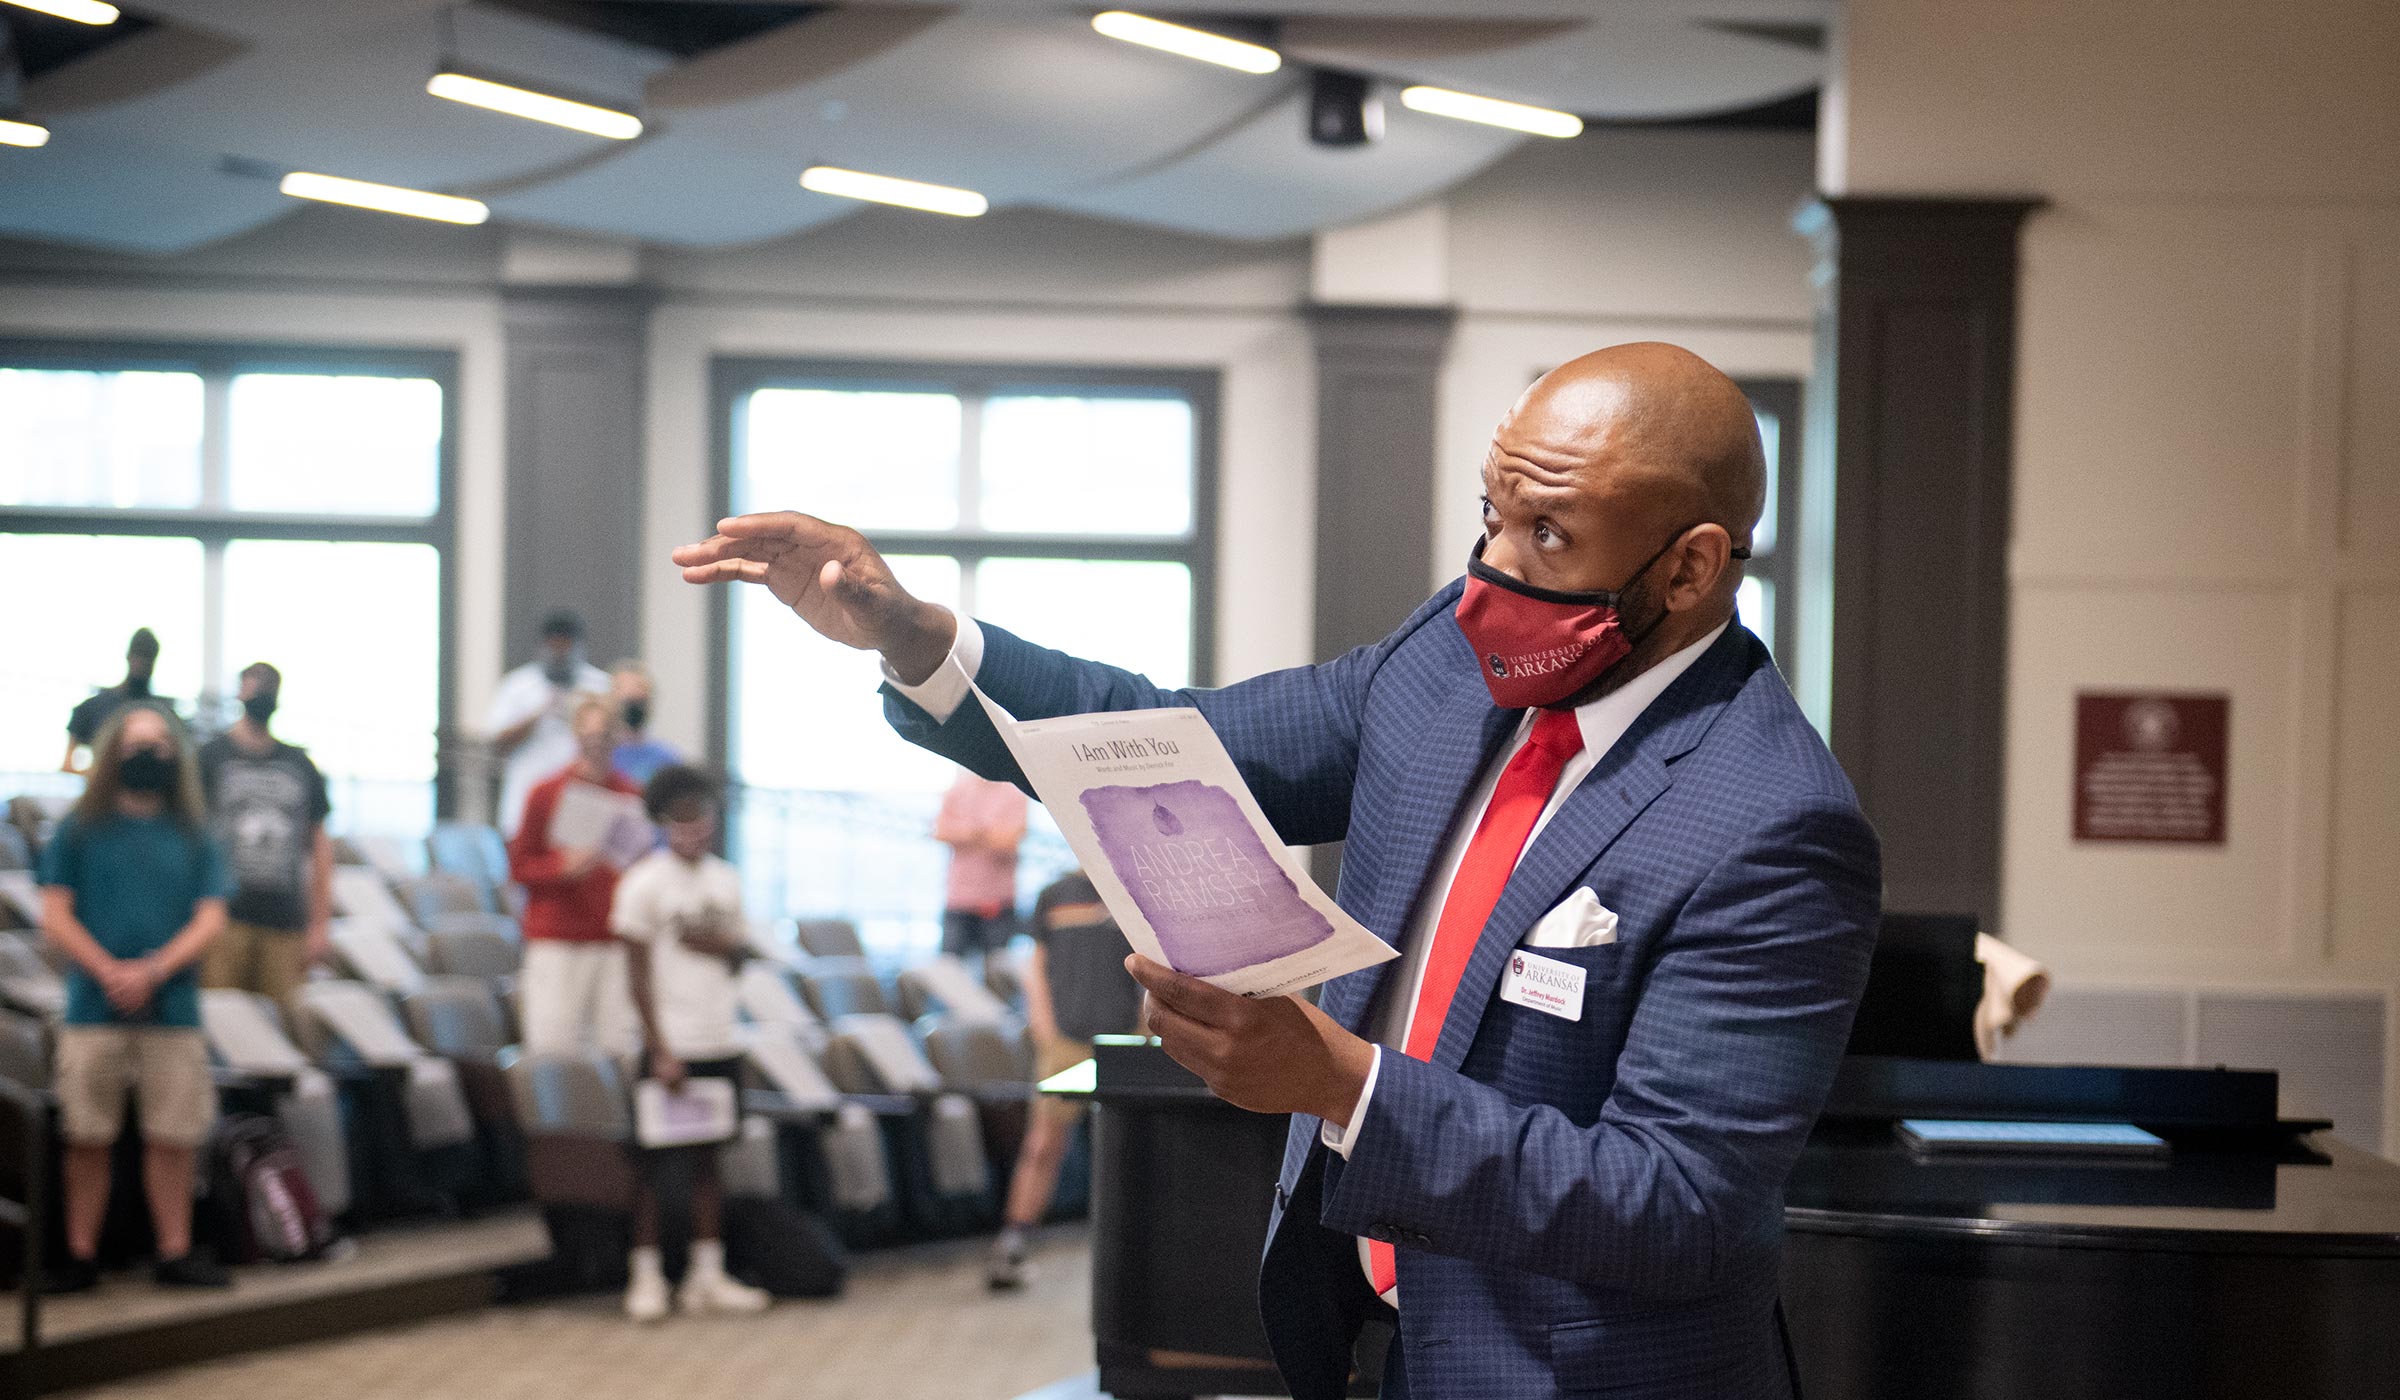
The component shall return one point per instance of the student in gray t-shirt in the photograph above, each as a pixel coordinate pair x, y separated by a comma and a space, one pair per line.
1076, 988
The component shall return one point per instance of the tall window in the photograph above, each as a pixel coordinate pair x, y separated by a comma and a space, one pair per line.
1071, 507
244, 505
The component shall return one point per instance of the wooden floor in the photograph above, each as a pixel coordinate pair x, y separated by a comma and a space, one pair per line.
916, 1324
391, 1254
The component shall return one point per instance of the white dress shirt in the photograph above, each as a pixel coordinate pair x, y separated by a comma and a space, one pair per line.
1603, 722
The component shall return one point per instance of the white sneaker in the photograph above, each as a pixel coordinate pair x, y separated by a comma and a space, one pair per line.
646, 1297
720, 1293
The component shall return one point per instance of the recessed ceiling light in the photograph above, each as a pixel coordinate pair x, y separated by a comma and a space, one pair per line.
14, 133
80, 11
1191, 43
535, 106
886, 189
389, 199
1491, 111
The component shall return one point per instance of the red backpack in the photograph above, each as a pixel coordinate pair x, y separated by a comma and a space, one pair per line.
266, 1200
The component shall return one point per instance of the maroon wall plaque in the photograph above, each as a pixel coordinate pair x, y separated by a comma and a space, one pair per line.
2150, 767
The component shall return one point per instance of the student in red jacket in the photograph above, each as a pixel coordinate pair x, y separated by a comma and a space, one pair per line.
573, 983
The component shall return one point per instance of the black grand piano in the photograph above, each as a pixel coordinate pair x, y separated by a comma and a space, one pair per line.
2259, 1261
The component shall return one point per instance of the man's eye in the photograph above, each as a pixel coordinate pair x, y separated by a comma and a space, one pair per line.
1543, 536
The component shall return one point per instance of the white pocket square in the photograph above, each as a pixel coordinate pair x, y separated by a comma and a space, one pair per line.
1580, 921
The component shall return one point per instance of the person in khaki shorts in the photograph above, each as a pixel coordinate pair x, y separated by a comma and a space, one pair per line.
267, 809
1075, 988
133, 891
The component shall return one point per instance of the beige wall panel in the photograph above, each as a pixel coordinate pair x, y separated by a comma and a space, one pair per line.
2290, 101
2366, 778
2370, 498
2121, 907
2159, 395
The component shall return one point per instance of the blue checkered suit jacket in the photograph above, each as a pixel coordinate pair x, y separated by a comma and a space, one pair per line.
1577, 1207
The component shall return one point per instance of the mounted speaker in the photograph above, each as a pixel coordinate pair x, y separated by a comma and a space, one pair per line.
1343, 109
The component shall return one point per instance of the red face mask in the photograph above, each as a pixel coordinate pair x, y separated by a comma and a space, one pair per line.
1539, 646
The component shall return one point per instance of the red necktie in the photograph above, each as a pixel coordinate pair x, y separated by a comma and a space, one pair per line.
1517, 802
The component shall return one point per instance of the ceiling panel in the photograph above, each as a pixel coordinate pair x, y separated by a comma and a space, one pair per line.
1266, 180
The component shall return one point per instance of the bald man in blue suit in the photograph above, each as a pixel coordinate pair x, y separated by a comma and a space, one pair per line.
1633, 894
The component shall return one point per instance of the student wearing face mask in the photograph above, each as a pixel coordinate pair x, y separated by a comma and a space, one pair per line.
133, 892
638, 754
94, 713
527, 721
267, 809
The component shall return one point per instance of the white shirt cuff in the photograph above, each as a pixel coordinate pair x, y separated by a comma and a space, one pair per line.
941, 693
1342, 1139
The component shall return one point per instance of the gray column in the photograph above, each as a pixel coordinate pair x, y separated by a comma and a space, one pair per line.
574, 361
1907, 519
1378, 377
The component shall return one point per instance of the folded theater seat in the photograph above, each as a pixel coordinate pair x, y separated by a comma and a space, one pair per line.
945, 1179
463, 1020
829, 938
475, 945
1006, 979
435, 893
947, 985
829, 1146
766, 997
844, 987
29, 983
264, 1072
361, 892
578, 1126
412, 1134
375, 953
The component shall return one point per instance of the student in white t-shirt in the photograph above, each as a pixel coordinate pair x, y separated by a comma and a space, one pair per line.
679, 911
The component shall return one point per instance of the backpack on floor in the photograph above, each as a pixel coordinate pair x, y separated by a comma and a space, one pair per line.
269, 1209
788, 1252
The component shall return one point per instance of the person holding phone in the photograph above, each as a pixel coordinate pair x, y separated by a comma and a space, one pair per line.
679, 913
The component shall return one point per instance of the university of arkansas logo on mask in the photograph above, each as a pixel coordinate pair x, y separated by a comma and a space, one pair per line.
1538, 645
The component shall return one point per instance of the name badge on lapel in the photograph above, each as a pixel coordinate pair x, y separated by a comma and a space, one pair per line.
1544, 984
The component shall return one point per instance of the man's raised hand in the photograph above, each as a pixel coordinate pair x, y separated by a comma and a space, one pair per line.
833, 578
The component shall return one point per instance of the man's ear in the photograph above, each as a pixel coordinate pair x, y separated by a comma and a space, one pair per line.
1701, 558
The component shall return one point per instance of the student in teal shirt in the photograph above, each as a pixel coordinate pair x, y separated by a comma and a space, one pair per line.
133, 890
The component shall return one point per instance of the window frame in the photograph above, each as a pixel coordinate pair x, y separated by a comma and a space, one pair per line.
733, 378
1778, 566
215, 526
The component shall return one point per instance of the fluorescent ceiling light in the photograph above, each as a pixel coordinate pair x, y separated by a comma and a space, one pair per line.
80, 11
22, 133
390, 199
1191, 43
536, 106
884, 189
1491, 111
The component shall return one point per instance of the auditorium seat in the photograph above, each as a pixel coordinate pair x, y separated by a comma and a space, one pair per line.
246, 1036
829, 938
375, 953
20, 900
766, 998
24, 1050
977, 1056
470, 850
363, 892
474, 945
15, 852
833, 1155
1006, 980
946, 1180
438, 892
463, 1020
29, 983
578, 1129
947, 985
412, 1125
844, 986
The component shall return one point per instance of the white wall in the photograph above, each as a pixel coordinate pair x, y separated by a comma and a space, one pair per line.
1683, 236
2208, 450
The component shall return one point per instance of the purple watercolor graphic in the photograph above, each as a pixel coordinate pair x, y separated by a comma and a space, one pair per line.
1202, 877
